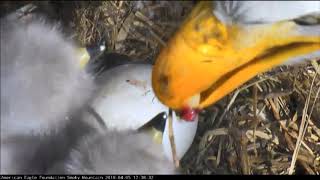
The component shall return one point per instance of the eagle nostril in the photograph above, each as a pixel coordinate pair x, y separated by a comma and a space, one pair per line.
164, 82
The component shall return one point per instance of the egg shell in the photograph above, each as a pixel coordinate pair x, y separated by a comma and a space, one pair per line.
126, 100
183, 133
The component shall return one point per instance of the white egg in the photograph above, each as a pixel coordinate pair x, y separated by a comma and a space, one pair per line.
126, 101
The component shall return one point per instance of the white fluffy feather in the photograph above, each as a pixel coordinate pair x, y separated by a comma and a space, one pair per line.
40, 80
42, 92
116, 153
41, 86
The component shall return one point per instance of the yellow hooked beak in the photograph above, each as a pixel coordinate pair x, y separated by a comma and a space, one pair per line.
207, 59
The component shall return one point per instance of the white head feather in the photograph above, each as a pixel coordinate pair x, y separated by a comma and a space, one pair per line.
251, 12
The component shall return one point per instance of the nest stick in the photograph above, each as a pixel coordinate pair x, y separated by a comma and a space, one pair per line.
172, 143
255, 104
